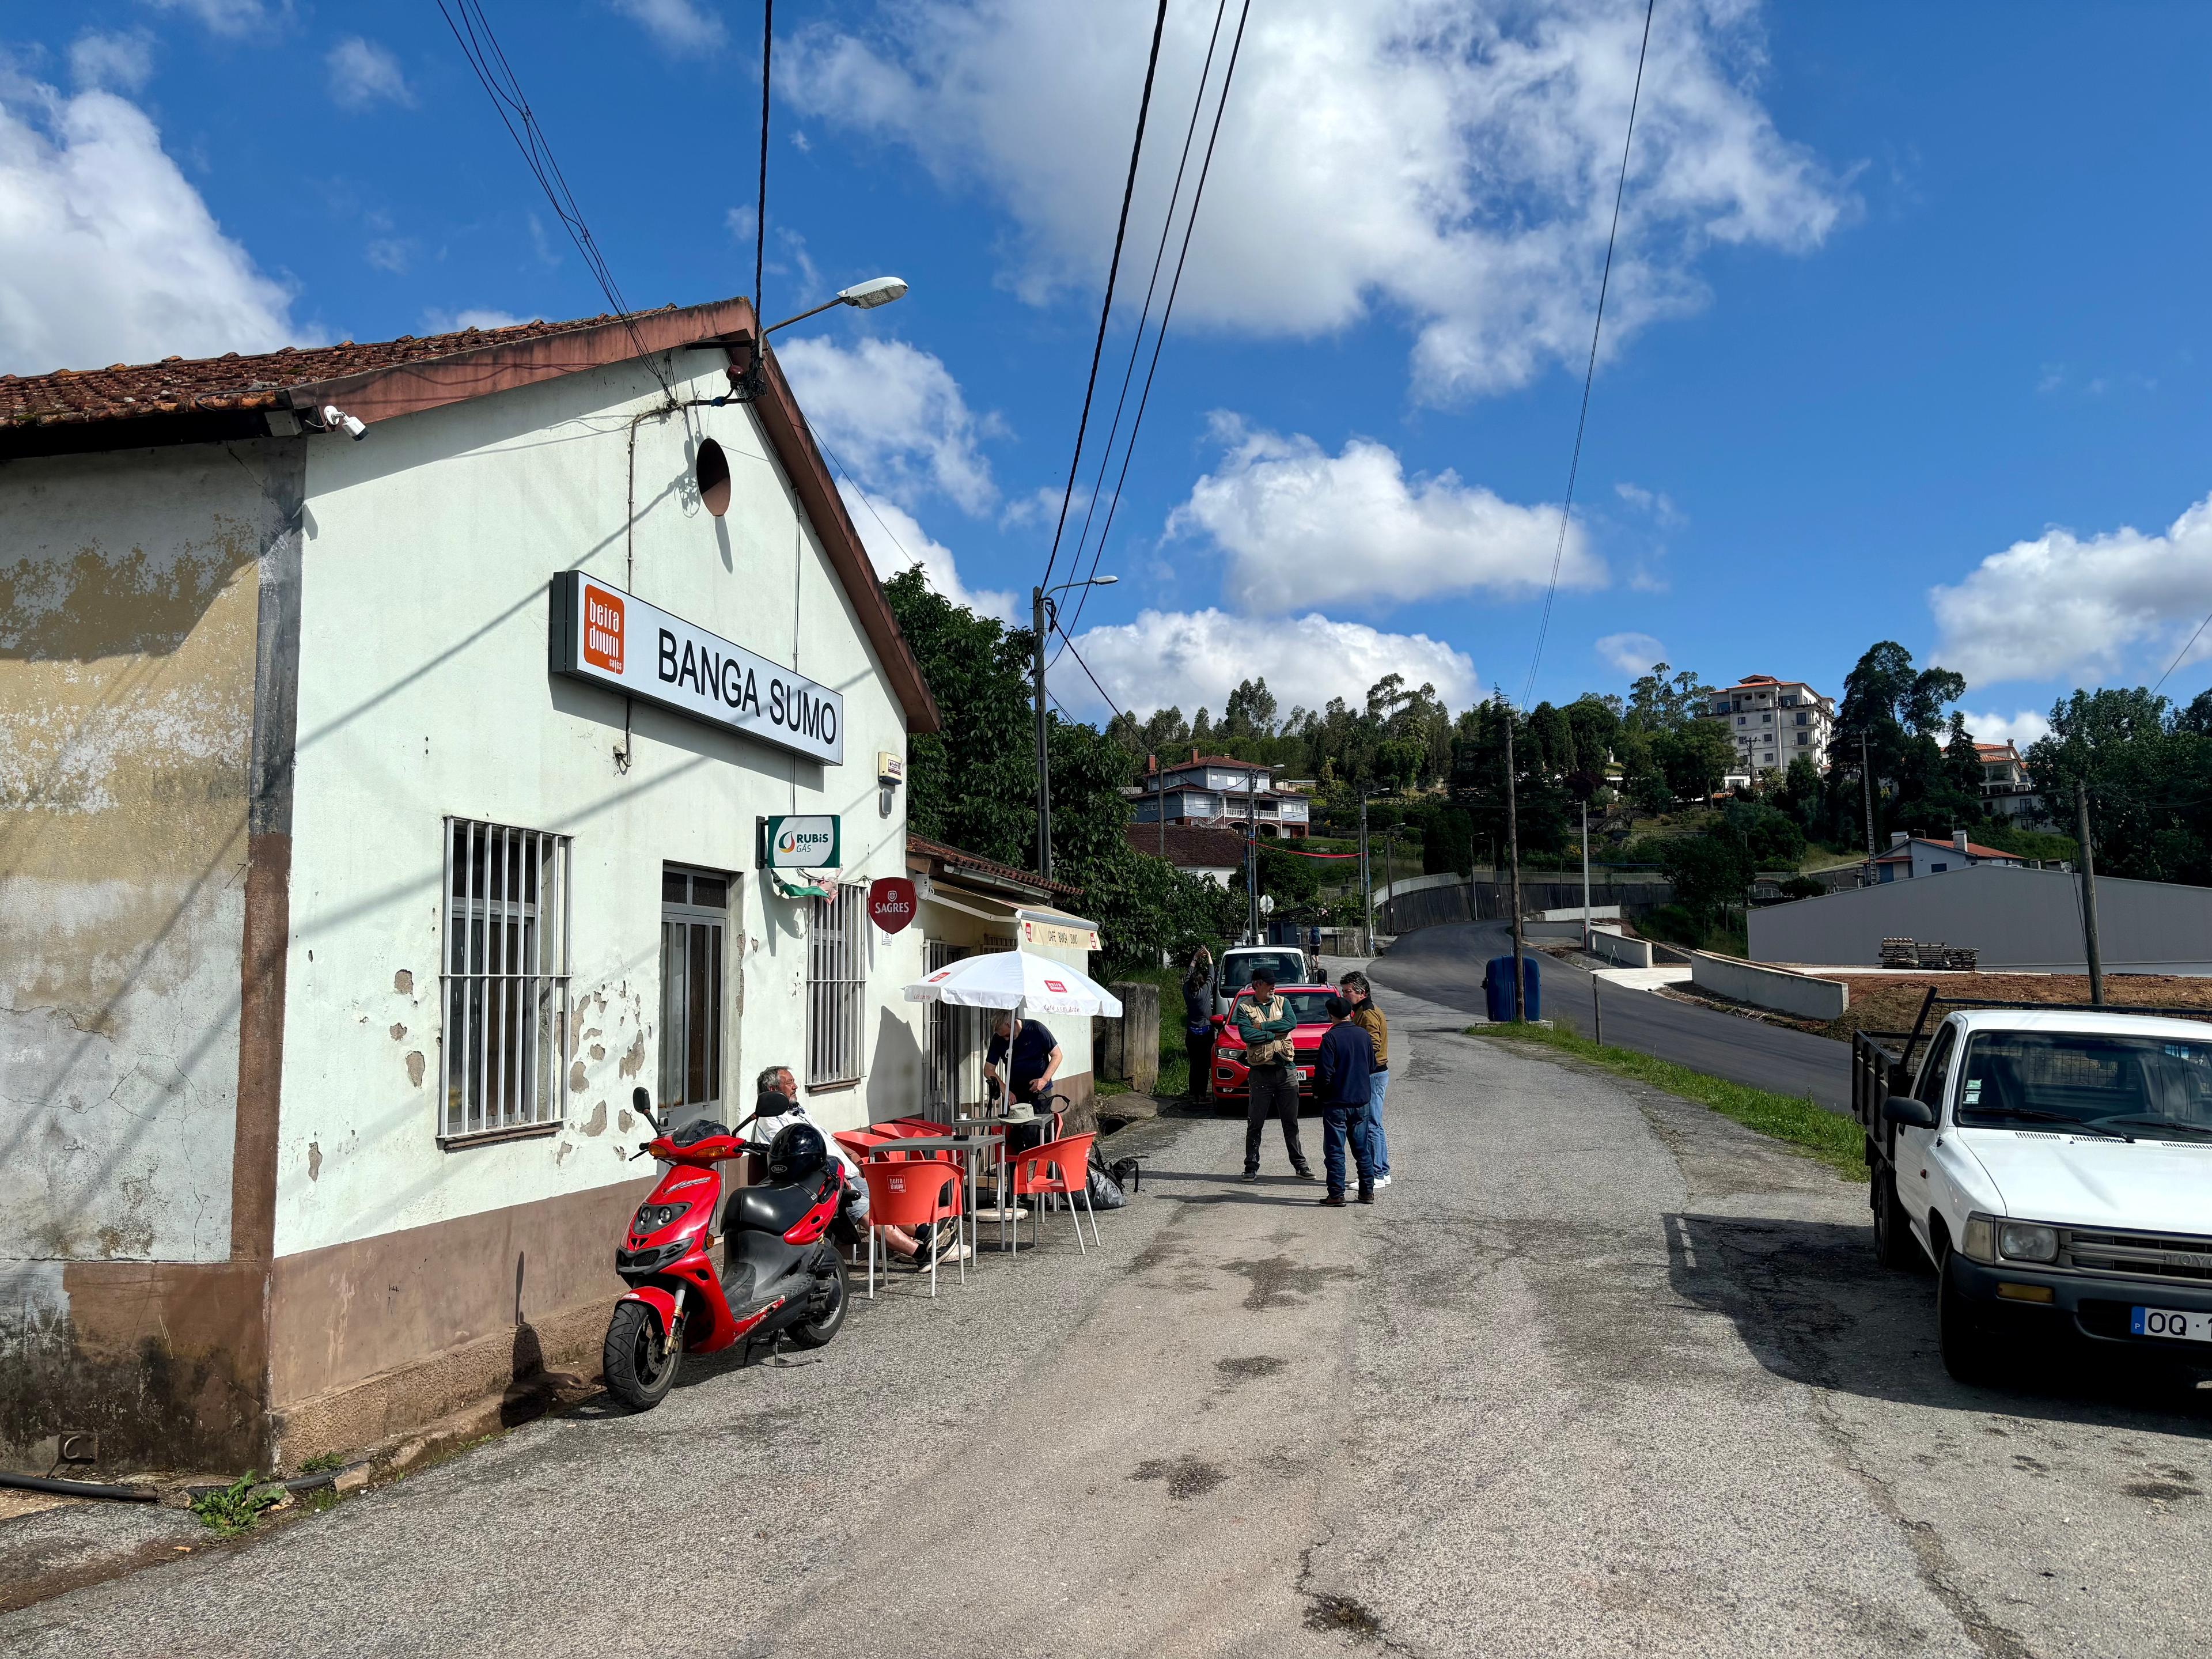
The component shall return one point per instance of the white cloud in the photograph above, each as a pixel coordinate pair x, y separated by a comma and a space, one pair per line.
1450, 162
2022, 728
453, 322
364, 74
391, 253
895, 540
106, 253
1302, 527
1631, 654
740, 221
1655, 502
2062, 608
236, 18
895, 416
676, 25
118, 61
1193, 660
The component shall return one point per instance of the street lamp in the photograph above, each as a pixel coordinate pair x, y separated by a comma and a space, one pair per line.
865, 296
1040, 608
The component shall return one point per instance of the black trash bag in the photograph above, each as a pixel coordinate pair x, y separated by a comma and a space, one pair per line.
1103, 1191
1128, 1173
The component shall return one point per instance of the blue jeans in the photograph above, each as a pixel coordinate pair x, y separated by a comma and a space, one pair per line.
1339, 1123
1377, 1146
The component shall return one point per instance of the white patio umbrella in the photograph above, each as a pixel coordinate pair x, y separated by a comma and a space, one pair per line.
1016, 979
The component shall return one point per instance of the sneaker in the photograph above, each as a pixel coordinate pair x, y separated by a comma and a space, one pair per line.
1307, 1175
1251, 1174
1367, 1197
1381, 1181
1331, 1200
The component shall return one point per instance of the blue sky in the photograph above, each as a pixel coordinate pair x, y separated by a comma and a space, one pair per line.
1905, 338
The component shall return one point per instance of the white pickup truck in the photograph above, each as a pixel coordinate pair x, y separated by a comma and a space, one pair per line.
2056, 1165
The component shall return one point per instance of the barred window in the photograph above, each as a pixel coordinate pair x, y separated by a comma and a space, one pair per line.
837, 974
504, 979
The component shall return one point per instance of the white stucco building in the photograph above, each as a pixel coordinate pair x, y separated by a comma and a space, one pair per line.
377, 815
1772, 722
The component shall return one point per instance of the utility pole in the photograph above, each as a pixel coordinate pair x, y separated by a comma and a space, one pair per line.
1251, 859
1866, 792
1043, 754
1160, 791
1366, 872
1586, 908
2088, 897
1513, 852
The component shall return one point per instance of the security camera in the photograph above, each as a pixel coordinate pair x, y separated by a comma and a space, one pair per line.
338, 421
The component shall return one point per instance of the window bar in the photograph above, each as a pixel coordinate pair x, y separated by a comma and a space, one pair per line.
532, 1007
445, 984
560, 1090
494, 931
471, 1101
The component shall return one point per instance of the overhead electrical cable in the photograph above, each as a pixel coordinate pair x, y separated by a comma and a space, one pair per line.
1589, 374
760, 214
1175, 287
1160, 257
2183, 652
472, 31
1106, 310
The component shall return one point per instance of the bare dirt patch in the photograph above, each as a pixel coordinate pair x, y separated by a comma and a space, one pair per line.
1889, 1002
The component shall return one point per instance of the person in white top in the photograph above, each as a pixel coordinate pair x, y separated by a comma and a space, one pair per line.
778, 1105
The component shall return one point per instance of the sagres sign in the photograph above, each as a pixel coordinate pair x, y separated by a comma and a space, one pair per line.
614, 639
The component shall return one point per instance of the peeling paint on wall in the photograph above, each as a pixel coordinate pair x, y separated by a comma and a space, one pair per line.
128, 628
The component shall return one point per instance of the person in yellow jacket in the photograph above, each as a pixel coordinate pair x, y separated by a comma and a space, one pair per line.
1370, 1018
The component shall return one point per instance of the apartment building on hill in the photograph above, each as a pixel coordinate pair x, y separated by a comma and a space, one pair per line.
1773, 721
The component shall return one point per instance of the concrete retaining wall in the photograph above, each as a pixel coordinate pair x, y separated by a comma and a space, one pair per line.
1770, 987
1574, 912
1620, 948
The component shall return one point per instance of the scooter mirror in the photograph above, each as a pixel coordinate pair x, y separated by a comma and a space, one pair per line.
642, 1101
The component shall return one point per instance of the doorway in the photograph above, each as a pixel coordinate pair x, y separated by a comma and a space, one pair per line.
695, 917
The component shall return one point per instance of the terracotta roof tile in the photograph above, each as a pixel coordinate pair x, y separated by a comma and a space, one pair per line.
183, 385
954, 856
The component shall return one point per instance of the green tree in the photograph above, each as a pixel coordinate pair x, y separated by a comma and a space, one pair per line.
974, 783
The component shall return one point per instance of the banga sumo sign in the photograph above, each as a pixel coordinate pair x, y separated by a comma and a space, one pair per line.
890, 903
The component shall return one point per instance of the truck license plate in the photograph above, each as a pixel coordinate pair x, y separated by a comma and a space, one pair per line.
2173, 1322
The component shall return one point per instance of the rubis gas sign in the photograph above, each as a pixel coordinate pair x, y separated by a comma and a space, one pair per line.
890, 903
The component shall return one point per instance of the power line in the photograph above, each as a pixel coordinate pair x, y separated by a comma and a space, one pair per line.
1159, 256
1087, 674
472, 31
760, 214
1167, 314
1105, 311
2183, 652
1589, 374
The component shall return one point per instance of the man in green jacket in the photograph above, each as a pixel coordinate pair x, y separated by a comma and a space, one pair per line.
1264, 1020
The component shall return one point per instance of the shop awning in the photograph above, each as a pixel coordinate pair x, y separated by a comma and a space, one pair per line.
1057, 927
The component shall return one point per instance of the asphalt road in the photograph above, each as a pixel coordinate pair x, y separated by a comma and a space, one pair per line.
1445, 964
1602, 1374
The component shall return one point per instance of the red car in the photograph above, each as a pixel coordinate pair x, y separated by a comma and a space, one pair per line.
1309, 1005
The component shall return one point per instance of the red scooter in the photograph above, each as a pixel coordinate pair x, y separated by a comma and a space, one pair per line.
780, 1273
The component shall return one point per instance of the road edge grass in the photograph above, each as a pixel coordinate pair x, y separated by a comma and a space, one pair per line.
1802, 1125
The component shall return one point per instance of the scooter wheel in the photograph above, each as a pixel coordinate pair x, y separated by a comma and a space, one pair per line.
639, 1360
818, 1332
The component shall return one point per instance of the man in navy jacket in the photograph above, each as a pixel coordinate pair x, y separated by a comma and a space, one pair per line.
1340, 1073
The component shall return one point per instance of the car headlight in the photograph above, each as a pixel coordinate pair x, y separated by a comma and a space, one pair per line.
1980, 1243
2025, 1241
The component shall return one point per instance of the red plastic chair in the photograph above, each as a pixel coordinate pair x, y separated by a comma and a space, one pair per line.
1058, 1166
910, 1193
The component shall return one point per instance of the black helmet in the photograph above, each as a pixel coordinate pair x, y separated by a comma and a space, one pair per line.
798, 1153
